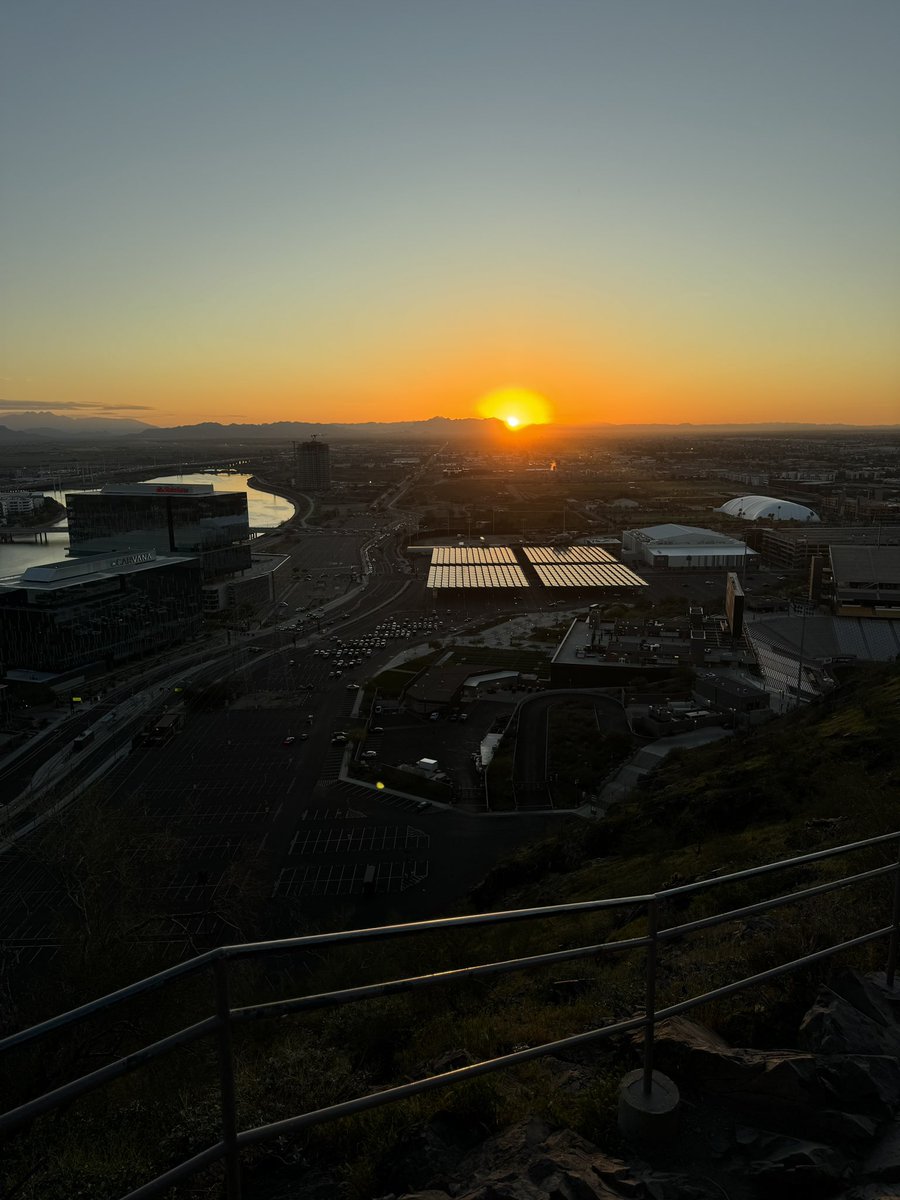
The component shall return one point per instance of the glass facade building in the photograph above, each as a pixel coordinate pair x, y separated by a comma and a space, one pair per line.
190, 519
96, 611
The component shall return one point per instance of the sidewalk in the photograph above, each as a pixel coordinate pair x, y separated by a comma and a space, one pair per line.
647, 759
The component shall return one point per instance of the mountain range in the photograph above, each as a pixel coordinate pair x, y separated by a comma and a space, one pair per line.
20, 426
50, 424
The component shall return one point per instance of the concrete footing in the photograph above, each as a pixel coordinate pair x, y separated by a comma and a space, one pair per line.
648, 1116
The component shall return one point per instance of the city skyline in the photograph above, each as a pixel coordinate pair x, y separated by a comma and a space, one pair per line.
578, 212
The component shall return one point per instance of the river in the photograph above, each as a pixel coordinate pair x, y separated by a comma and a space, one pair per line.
266, 512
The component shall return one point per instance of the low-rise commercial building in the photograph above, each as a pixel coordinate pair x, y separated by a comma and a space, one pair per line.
255, 587
790, 547
865, 581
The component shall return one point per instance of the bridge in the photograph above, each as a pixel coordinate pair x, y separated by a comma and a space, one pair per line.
24, 533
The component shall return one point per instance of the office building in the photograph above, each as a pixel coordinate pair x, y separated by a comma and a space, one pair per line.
313, 465
89, 613
191, 519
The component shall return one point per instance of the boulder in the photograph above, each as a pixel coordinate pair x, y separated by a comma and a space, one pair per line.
870, 994
527, 1162
834, 1025
871, 1081
870, 1191
860, 1083
883, 1160
792, 1167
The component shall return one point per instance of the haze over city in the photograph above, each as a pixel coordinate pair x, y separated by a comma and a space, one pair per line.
577, 212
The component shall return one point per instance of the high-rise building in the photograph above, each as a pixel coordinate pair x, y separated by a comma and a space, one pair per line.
313, 461
167, 518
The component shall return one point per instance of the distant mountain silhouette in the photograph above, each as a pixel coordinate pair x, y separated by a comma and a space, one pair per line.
434, 428
11, 435
449, 428
43, 424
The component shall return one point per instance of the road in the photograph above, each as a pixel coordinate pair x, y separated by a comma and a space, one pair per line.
530, 764
231, 833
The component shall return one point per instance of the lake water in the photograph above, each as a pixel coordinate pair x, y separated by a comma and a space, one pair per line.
266, 512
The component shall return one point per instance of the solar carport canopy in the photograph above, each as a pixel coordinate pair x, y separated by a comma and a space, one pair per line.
476, 555
594, 575
567, 554
475, 575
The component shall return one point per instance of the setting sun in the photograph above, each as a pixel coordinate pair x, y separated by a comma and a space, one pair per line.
516, 407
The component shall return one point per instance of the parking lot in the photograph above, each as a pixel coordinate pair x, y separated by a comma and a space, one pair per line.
351, 879
408, 738
226, 817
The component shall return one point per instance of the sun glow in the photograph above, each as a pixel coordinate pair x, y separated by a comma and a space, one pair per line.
515, 407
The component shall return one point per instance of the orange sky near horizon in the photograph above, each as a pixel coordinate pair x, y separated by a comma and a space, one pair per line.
613, 395
591, 367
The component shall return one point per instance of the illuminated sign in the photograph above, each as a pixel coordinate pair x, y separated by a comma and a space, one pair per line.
179, 491
130, 560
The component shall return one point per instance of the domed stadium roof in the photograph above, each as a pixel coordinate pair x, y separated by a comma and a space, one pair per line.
767, 508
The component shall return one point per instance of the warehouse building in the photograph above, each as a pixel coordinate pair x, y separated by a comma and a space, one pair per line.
685, 547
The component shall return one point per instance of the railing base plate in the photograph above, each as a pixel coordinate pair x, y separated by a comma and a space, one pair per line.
648, 1117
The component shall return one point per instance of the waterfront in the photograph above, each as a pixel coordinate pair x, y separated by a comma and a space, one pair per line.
265, 510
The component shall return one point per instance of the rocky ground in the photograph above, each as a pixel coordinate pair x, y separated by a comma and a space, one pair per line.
820, 1120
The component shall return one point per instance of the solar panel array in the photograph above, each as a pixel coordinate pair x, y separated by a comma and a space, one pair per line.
567, 554
594, 575
474, 575
475, 555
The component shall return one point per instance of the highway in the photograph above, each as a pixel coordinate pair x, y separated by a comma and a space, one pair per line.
324, 558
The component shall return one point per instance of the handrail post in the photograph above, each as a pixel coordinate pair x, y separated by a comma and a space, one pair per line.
891, 967
650, 992
226, 1083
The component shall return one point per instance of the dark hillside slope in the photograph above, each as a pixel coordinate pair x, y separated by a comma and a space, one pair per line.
818, 778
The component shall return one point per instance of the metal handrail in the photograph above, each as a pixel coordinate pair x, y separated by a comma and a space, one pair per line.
220, 1024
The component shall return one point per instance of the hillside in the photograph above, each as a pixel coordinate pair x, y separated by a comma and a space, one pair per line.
818, 778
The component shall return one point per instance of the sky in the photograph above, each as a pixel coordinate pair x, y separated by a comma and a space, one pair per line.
349, 210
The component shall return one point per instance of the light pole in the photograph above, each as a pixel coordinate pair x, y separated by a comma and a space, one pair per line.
800, 659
